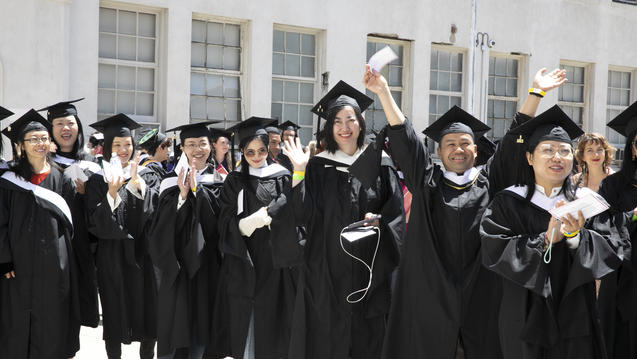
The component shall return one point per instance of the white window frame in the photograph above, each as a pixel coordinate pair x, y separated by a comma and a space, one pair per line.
586, 96
406, 65
146, 121
463, 87
208, 71
520, 87
619, 156
318, 60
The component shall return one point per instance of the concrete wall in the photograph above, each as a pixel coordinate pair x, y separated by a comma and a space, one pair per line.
49, 48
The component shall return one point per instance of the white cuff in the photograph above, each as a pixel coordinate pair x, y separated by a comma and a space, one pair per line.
113, 203
137, 192
573, 242
180, 202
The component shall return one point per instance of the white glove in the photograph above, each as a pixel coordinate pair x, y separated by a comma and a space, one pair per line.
256, 220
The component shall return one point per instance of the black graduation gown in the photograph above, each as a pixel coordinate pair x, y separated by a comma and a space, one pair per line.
154, 166
258, 274
38, 306
83, 242
617, 299
442, 291
325, 324
282, 160
547, 310
184, 248
125, 275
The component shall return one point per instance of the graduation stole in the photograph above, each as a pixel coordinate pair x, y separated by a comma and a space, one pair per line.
85, 165
40, 192
206, 178
461, 182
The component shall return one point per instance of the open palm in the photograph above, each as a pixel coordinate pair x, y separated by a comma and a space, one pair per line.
548, 81
296, 154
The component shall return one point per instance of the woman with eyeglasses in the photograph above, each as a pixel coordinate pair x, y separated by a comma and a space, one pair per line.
185, 250
258, 237
594, 155
120, 204
38, 287
548, 265
617, 299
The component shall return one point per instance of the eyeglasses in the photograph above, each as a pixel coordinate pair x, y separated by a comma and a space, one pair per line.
37, 140
194, 146
550, 151
251, 153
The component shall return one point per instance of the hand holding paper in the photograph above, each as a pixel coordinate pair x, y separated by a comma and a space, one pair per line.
381, 59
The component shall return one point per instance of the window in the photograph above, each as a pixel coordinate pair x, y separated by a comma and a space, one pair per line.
617, 100
215, 76
127, 64
445, 82
571, 94
393, 72
503, 94
294, 78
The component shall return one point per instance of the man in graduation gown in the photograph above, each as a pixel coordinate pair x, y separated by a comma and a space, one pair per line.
444, 301
125, 274
548, 266
275, 154
38, 284
184, 248
617, 300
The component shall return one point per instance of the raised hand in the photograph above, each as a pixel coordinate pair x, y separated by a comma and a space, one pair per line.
80, 186
133, 167
192, 179
547, 82
114, 185
182, 184
296, 154
9, 275
374, 81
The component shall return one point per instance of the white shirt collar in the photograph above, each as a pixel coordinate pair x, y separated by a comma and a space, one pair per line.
468, 176
555, 191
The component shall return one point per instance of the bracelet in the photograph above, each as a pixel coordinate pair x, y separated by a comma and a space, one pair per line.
300, 173
634, 218
536, 92
193, 189
298, 177
570, 235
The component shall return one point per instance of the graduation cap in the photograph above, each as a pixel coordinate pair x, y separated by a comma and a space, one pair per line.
151, 139
193, 130
119, 125
551, 125
456, 120
217, 132
30, 121
272, 129
253, 126
289, 126
626, 122
61, 109
342, 94
4, 113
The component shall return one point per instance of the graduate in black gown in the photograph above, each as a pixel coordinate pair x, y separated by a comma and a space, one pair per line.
4, 113
617, 298
157, 147
119, 210
444, 300
275, 154
548, 266
289, 130
68, 137
328, 321
184, 248
38, 287
257, 288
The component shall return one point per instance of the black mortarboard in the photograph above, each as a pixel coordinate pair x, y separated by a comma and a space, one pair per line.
193, 130
119, 125
486, 149
626, 122
4, 113
30, 121
151, 139
254, 126
272, 129
217, 132
340, 95
61, 109
551, 125
456, 120
289, 126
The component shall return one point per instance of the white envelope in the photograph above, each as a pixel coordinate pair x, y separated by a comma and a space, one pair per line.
591, 205
382, 58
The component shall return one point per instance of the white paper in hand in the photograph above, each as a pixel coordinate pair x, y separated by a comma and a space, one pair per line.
116, 166
182, 163
590, 204
74, 172
359, 233
382, 58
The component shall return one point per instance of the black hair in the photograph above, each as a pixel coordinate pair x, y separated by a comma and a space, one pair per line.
211, 156
228, 157
152, 146
108, 148
21, 165
528, 180
77, 152
629, 166
328, 131
245, 167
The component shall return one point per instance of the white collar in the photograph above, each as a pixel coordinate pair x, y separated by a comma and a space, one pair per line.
268, 170
554, 191
85, 165
544, 202
342, 157
468, 176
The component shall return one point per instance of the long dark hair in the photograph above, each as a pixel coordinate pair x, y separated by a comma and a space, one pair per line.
328, 129
21, 165
629, 167
108, 148
528, 180
245, 167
